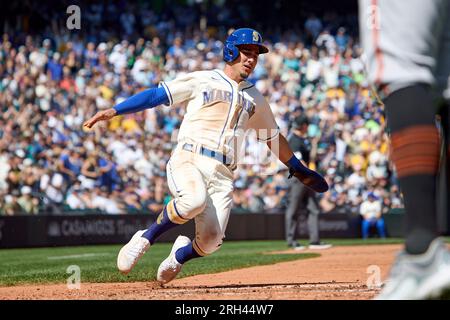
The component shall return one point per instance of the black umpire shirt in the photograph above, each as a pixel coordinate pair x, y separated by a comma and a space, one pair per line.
302, 144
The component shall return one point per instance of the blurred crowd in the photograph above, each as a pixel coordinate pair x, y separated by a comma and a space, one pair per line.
50, 85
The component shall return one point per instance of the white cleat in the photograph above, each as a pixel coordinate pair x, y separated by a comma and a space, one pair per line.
132, 252
170, 267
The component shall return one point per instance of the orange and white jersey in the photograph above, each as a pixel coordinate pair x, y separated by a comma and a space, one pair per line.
220, 111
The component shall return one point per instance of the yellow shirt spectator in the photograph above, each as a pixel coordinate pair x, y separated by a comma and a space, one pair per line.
107, 93
358, 160
115, 122
335, 93
129, 124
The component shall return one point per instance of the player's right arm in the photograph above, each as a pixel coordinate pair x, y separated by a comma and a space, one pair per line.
174, 92
146, 99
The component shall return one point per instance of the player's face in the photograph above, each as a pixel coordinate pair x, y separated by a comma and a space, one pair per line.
248, 59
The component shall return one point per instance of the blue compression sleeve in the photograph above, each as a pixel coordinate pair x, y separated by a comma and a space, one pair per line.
146, 99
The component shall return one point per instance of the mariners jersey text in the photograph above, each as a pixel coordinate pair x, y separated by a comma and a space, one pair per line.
219, 110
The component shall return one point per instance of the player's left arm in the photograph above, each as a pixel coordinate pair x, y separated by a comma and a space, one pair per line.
263, 121
280, 147
146, 99
277, 143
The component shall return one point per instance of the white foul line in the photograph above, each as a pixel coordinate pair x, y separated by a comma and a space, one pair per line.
84, 255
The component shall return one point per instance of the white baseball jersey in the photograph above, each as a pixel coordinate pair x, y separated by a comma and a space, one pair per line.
220, 111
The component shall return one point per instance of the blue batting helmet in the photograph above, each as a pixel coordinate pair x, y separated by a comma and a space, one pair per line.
238, 37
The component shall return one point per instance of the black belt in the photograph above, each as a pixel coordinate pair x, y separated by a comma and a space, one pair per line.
209, 153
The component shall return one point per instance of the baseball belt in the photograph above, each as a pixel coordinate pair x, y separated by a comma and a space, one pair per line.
209, 153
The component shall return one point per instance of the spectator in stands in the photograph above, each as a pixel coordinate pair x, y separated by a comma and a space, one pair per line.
256, 193
313, 26
341, 39
70, 165
27, 203
74, 200
55, 68
11, 205
371, 213
149, 201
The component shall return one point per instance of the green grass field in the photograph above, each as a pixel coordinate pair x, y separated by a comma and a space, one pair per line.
98, 263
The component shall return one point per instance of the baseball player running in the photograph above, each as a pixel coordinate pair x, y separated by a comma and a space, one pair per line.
221, 106
407, 44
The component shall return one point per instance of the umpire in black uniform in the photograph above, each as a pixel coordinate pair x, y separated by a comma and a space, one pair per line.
303, 201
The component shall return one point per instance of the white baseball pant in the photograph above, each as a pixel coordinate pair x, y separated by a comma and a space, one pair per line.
202, 188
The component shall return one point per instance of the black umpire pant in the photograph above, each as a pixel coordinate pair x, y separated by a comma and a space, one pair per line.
302, 204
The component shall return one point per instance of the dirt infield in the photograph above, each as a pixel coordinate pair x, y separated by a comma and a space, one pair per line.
339, 273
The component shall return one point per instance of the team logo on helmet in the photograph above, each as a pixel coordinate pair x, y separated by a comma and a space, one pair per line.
255, 36
240, 37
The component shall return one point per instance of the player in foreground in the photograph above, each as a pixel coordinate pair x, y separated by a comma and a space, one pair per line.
221, 106
407, 45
